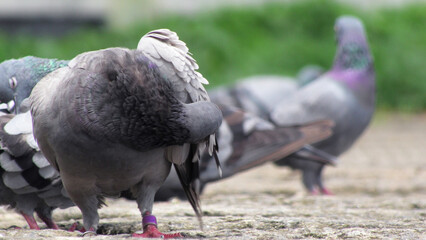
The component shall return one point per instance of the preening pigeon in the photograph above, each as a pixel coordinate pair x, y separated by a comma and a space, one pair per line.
246, 141
116, 119
345, 94
19, 76
28, 183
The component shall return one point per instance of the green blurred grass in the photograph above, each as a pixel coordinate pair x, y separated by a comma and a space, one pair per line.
273, 39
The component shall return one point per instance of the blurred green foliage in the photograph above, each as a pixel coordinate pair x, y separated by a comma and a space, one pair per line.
276, 38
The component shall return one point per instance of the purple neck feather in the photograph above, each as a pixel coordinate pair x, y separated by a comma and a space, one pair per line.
353, 64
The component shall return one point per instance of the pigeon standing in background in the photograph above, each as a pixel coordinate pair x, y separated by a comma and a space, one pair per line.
117, 119
345, 94
28, 183
19, 76
246, 141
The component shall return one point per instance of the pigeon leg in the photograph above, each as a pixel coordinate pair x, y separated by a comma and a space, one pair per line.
46, 216
49, 222
150, 230
323, 190
309, 179
31, 221
145, 199
88, 204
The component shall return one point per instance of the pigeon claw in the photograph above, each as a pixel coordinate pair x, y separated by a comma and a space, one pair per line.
77, 227
321, 191
314, 192
325, 191
151, 231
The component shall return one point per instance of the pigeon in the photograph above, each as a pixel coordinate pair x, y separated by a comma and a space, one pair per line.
19, 76
28, 183
117, 119
344, 94
246, 141
260, 94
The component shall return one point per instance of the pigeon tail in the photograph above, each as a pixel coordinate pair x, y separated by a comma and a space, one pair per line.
189, 177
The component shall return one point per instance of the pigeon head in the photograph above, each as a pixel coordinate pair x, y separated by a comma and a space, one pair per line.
19, 76
352, 51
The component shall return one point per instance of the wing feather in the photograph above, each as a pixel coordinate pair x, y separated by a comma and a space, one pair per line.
317, 101
175, 62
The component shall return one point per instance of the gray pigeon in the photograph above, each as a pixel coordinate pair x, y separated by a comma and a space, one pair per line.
260, 95
345, 94
117, 119
28, 183
19, 76
246, 141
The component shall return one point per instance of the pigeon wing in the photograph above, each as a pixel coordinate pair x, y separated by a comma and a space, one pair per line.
322, 99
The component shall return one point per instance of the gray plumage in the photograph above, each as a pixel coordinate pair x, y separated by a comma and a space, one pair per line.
246, 141
260, 94
19, 76
28, 183
116, 119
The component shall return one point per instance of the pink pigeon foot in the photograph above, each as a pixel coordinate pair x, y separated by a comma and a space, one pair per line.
325, 191
314, 192
74, 227
150, 230
49, 222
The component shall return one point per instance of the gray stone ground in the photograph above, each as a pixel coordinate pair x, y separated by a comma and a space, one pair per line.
379, 186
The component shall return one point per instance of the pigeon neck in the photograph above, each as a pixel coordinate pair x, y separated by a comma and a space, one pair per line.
353, 67
42, 67
353, 63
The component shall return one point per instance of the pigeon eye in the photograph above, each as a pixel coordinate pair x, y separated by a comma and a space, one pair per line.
13, 82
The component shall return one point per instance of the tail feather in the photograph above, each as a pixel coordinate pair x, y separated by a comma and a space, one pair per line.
314, 154
272, 145
189, 175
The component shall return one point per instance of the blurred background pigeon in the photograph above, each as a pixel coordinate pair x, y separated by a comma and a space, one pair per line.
116, 119
346, 94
